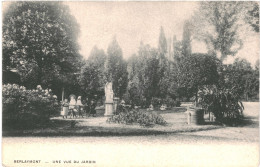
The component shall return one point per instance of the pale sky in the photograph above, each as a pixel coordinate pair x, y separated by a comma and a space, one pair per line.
133, 22
130, 22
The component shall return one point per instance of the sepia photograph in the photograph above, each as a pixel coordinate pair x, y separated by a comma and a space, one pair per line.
130, 83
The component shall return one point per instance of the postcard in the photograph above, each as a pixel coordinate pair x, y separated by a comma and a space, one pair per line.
130, 84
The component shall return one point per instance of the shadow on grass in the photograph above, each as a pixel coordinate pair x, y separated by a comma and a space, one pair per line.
65, 128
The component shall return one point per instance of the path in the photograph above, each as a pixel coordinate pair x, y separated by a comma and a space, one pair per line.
226, 147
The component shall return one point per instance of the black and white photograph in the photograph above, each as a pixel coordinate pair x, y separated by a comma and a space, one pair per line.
130, 83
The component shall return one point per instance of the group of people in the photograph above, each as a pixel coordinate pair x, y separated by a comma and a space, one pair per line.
75, 108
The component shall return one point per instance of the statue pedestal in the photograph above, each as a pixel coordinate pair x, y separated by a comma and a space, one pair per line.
109, 109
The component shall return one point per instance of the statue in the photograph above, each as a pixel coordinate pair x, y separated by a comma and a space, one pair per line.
109, 92
109, 99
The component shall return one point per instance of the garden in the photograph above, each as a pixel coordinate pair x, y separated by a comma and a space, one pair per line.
40, 73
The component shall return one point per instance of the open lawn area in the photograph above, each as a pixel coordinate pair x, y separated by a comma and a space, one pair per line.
176, 122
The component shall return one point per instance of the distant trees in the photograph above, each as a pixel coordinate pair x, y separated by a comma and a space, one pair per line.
40, 42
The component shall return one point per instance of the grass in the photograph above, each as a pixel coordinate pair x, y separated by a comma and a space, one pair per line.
97, 126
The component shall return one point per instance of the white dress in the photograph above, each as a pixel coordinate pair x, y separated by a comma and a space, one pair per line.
72, 104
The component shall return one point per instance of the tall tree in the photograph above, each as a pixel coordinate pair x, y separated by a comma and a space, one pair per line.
92, 77
40, 42
116, 68
162, 44
143, 75
186, 39
163, 70
217, 24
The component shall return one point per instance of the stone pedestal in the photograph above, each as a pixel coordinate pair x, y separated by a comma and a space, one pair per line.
195, 116
109, 104
109, 109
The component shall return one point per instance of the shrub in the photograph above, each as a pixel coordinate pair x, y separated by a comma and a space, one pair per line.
136, 116
223, 103
21, 104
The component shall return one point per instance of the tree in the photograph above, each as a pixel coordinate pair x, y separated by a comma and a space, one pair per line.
197, 71
242, 78
186, 39
40, 42
92, 77
143, 75
177, 49
252, 16
163, 70
217, 24
116, 69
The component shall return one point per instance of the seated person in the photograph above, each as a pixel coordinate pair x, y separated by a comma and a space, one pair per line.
150, 108
163, 107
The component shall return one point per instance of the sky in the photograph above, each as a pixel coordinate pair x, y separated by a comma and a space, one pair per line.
133, 22
130, 22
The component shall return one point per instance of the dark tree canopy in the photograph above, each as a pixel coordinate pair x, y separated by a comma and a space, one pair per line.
40, 42
92, 77
196, 71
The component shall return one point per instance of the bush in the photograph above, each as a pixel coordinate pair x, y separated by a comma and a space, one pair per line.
223, 103
125, 116
22, 104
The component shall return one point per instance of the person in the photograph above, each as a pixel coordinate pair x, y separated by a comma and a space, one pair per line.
150, 107
86, 106
72, 106
79, 106
92, 108
65, 109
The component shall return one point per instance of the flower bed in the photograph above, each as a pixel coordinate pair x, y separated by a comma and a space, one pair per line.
136, 116
22, 104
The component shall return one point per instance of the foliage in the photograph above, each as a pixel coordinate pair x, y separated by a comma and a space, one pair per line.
242, 78
186, 39
143, 74
92, 74
252, 16
116, 69
40, 42
163, 67
22, 104
195, 71
217, 24
223, 102
136, 116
